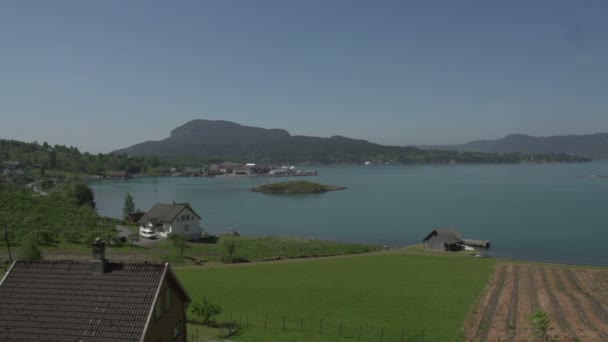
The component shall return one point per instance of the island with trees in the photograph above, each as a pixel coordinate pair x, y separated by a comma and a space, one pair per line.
296, 187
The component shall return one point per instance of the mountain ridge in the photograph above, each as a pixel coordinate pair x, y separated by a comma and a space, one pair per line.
225, 140
593, 145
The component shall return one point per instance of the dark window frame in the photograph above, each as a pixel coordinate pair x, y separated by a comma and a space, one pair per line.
158, 309
178, 327
168, 299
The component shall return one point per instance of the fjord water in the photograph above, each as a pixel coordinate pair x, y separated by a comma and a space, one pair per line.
544, 212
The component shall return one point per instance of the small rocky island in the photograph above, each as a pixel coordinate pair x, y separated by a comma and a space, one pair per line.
296, 187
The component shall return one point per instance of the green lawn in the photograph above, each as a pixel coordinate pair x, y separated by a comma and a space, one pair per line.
261, 248
433, 293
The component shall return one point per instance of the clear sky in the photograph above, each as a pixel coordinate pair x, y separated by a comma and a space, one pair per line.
107, 74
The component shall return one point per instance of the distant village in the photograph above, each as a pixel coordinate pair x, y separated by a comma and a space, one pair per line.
225, 169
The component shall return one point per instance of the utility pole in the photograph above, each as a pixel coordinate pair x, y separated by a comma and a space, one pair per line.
8, 244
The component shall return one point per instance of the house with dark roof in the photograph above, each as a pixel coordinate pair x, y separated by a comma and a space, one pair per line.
92, 302
445, 239
176, 218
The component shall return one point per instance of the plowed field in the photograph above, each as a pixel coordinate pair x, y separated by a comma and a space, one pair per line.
575, 299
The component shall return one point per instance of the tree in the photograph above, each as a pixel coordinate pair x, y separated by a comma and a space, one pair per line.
178, 242
81, 194
52, 159
134, 237
206, 310
541, 324
29, 250
230, 251
129, 206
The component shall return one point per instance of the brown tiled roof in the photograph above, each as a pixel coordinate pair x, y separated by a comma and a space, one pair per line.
162, 212
134, 217
66, 301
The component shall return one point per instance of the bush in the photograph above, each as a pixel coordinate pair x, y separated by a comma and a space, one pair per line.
206, 310
29, 250
178, 242
229, 251
541, 323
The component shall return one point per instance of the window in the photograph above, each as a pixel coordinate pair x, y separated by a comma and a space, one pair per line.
177, 329
186, 227
183, 217
158, 309
167, 299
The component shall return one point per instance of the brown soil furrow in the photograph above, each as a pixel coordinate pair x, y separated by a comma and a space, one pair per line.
499, 327
601, 281
559, 330
526, 302
475, 319
488, 311
569, 308
514, 305
596, 315
587, 279
533, 294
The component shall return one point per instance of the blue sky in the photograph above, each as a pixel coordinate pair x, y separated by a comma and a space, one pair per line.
107, 74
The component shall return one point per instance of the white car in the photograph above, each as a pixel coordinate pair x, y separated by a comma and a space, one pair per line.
148, 233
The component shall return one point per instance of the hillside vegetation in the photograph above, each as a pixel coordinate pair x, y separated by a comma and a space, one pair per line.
46, 160
65, 215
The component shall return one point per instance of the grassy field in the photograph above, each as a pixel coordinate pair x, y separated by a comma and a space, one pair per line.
383, 293
259, 249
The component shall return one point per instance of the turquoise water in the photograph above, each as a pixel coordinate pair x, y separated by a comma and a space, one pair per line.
530, 212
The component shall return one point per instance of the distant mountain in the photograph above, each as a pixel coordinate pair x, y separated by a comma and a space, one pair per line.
590, 145
224, 140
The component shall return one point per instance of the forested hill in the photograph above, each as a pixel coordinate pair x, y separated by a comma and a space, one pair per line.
224, 140
45, 158
589, 145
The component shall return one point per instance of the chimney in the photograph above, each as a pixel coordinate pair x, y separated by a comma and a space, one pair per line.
99, 262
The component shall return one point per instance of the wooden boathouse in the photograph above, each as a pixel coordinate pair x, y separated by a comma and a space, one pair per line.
450, 239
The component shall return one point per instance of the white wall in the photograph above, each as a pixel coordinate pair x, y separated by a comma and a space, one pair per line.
186, 224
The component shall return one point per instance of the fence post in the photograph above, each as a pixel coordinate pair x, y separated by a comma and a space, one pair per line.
196, 334
320, 326
340, 330
283, 322
247, 320
360, 328
422, 335
265, 321
401, 339
381, 333
301, 325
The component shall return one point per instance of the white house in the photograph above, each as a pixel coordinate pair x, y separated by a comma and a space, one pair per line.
176, 218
